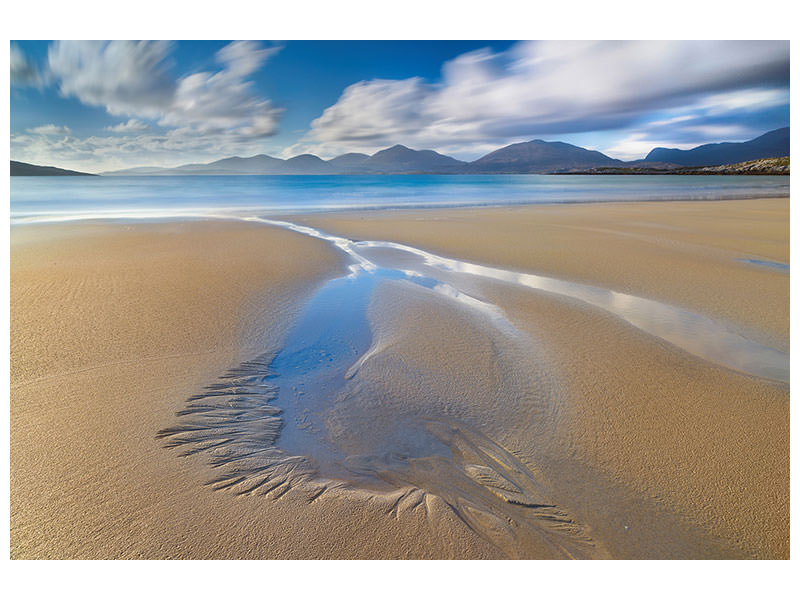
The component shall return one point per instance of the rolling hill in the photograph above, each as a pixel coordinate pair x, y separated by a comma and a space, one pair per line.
538, 156
28, 170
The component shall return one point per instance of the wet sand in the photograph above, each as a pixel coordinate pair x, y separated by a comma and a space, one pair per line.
683, 253
700, 441
649, 451
112, 328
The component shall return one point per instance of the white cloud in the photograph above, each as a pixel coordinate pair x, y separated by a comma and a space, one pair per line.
133, 79
225, 101
243, 58
720, 132
670, 121
129, 126
367, 114
127, 78
637, 145
749, 100
23, 71
109, 152
541, 88
50, 129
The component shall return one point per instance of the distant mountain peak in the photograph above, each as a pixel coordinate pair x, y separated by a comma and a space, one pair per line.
351, 154
349, 161
311, 157
772, 144
394, 150
401, 159
539, 156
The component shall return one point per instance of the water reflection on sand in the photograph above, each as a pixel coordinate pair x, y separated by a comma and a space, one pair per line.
697, 334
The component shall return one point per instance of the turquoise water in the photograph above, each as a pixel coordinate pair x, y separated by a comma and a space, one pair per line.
53, 198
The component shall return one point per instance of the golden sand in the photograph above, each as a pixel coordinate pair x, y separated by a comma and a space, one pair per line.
682, 253
663, 454
701, 441
112, 328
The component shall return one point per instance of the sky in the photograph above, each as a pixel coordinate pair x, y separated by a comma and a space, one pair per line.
96, 106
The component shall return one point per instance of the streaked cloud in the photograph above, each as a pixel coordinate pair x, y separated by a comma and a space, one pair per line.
636, 146
196, 116
23, 71
549, 89
735, 116
749, 100
245, 57
129, 126
217, 109
224, 101
50, 129
126, 78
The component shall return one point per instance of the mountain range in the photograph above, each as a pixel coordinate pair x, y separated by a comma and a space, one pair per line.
397, 159
770, 145
536, 156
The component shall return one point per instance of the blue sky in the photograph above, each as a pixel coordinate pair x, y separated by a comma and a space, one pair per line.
105, 105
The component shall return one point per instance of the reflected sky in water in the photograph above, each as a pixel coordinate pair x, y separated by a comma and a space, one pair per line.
697, 334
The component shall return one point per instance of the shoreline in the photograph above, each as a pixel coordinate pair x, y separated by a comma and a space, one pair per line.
607, 426
698, 171
201, 213
236, 212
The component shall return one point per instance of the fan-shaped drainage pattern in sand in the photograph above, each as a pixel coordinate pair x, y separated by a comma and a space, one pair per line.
266, 425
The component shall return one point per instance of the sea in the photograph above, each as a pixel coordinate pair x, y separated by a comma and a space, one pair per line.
38, 199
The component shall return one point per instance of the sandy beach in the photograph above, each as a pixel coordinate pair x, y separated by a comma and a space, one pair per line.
710, 444
113, 327
639, 448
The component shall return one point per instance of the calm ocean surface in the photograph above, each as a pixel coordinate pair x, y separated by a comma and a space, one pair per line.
56, 198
